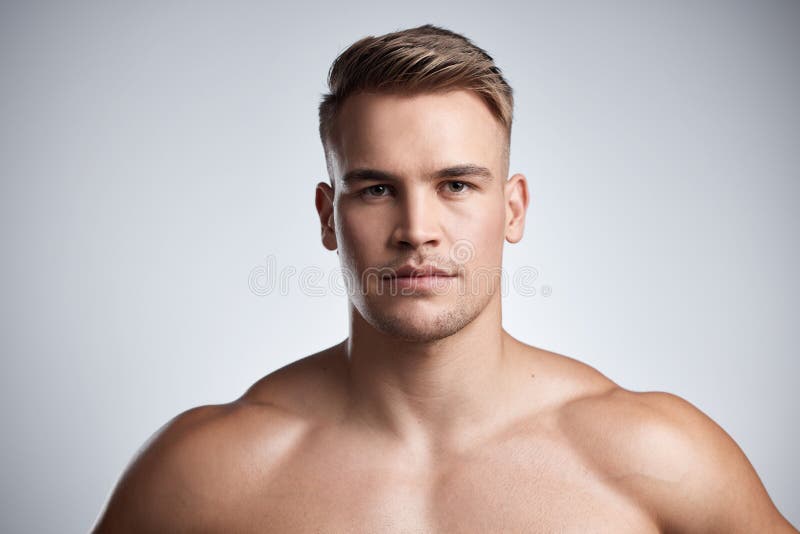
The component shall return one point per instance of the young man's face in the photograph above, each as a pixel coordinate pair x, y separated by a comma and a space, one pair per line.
419, 180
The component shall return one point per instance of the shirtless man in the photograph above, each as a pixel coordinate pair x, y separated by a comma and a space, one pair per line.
429, 416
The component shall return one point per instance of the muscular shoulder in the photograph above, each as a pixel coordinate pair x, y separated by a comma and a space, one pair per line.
206, 459
194, 467
672, 459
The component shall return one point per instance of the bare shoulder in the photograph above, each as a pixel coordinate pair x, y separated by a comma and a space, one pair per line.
671, 458
185, 474
200, 463
312, 387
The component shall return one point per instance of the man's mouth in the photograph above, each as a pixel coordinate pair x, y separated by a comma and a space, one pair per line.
420, 271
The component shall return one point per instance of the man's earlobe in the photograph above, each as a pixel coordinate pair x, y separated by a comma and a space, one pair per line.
516, 197
324, 203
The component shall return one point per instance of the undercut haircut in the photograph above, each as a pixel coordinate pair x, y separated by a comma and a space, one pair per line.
417, 60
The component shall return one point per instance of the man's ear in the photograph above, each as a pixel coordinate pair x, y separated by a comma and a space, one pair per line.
324, 203
516, 198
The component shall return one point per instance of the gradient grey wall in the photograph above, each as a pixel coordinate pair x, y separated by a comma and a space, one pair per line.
153, 154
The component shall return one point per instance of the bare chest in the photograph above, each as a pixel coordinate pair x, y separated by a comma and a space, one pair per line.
505, 489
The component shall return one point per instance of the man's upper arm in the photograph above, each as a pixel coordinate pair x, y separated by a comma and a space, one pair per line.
699, 478
160, 490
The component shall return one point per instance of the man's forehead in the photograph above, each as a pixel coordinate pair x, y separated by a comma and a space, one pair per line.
419, 134
371, 114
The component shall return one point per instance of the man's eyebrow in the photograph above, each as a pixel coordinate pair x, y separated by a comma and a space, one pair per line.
367, 174
467, 169
455, 171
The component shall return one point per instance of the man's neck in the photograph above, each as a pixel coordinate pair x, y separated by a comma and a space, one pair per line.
433, 395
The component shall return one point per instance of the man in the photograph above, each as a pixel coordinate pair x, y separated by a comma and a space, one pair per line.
429, 417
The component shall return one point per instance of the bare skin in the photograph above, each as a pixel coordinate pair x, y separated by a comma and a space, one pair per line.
429, 416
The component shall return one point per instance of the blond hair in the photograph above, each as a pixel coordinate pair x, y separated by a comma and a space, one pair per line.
422, 59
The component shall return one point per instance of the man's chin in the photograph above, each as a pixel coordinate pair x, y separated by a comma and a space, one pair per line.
419, 327
411, 334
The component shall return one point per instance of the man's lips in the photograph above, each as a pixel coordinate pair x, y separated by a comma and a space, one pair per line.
422, 271
422, 279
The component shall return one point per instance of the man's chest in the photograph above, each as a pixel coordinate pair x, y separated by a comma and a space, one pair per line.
503, 490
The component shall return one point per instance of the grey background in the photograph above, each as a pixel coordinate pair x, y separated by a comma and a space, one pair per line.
153, 154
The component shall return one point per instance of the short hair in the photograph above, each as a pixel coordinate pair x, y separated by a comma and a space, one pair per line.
427, 58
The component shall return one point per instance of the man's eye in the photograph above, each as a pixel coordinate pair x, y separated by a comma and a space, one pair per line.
457, 187
378, 190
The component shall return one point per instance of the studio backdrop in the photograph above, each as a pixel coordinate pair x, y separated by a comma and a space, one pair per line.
158, 163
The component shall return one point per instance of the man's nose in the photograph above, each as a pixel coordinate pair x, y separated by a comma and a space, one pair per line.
417, 221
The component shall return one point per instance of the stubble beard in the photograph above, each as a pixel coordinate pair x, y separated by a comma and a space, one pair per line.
444, 323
